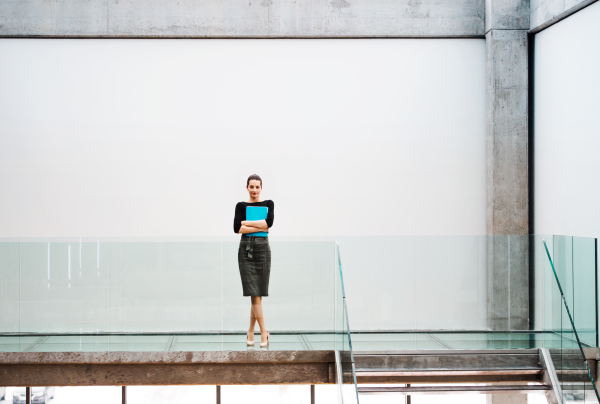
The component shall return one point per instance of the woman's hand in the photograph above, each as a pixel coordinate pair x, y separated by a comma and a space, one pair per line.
259, 224
247, 229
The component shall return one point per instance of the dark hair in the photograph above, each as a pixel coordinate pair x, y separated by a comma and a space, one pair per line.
253, 177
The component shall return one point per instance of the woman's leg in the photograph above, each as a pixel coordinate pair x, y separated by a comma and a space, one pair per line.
252, 321
258, 314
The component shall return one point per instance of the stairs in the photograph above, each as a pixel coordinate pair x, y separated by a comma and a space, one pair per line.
522, 370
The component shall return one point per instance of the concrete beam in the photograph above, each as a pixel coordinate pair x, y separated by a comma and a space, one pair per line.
544, 13
249, 19
506, 14
165, 374
183, 357
166, 368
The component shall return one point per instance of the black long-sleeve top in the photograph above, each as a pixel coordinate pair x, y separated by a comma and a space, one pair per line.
240, 213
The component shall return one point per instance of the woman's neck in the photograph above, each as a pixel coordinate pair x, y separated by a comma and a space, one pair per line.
254, 200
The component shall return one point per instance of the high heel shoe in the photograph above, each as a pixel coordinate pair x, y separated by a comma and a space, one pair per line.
264, 344
248, 342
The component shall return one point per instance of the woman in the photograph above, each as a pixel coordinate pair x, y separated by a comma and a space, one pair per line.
254, 256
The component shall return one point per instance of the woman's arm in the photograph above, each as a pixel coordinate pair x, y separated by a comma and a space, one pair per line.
261, 224
237, 220
248, 229
271, 214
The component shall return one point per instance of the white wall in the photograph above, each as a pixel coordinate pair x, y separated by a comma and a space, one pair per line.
353, 138
124, 137
567, 126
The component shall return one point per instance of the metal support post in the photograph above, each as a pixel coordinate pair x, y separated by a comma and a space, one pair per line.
28, 395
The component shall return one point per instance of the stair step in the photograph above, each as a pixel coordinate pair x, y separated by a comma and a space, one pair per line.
451, 389
445, 372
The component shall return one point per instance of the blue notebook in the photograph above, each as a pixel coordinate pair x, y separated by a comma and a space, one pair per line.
257, 213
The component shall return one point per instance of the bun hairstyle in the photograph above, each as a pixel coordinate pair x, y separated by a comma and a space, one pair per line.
253, 177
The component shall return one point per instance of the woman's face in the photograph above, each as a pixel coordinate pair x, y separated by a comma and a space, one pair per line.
254, 188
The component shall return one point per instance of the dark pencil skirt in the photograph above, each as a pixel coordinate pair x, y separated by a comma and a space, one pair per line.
254, 260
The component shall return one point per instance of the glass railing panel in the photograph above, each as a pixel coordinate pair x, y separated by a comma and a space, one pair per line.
79, 286
574, 261
64, 284
539, 274
574, 374
585, 289
349, 387
462, 282
563, 265
171, 285
9, 285
91, 285
115, 285
572, 371
341, 346
411, 287
340, 319
552, 300
382, 268
236, 308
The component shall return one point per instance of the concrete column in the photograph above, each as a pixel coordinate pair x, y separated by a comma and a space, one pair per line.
508, 282
507, 22
506, 398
